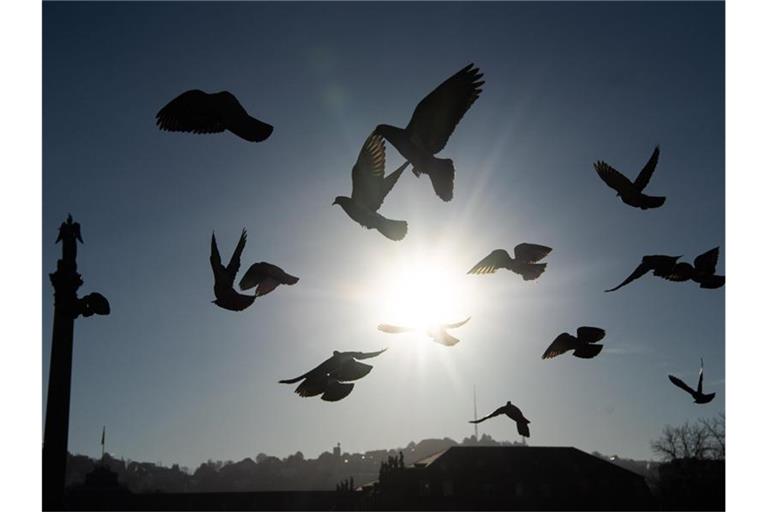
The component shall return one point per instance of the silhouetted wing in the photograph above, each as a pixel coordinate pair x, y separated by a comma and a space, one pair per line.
368, 172
457, 324
335, 391
237, 120
563, 343
590, 334
494, 261
394, 329
365, 355
437, 115
639, 272
682, 385
531, 253
700, 385
352, 370
645, 174
234, 262
313, 385
389, 182
707, 263
193, 111
522, 429
613, 178
215, 256
587, 351
444, 338
497, 412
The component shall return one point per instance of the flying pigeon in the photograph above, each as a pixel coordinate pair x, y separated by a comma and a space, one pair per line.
224, 278
524, 262
632, 192
370, 187
438, 333
668, 267
265, 277
330, 379
196, 111
698, 396
514, 414
583, 344
432, 123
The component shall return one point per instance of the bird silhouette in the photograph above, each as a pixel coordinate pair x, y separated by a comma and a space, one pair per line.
196, 111
524, 262
632, 192
431, 125
265, 277
370, 187
583, 344
668, 267
514, 413
438, 333
698, 396
330, 379
224, 278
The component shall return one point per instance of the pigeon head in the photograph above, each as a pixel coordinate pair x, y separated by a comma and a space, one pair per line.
341, 201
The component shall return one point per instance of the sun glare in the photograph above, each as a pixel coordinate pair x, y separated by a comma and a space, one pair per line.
425, 289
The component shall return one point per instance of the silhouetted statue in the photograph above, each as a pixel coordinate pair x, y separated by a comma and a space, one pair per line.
370, 187
432, 123
266, 277
331, 377
632, 192
196, 111
438, 333
524, 262
583, 344
514, 414
224, 278
702, 271
698, 396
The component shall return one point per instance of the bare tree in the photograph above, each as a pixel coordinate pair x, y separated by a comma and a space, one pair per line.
701, 440
715, 427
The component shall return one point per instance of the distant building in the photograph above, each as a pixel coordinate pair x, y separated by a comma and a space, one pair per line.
337, 451
509, 478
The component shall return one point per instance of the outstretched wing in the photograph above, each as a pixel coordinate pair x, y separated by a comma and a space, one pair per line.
494, 261
368, 172
531, 253
234, 262
437, 115
645, 174
366, 355
193, 111
590, 334
563, 343
699, 387
265, 275
444, 338
389, 182
457, 324
497, 412
682, 385
707, 262
394, 329
613, 178
215, 256
642, 269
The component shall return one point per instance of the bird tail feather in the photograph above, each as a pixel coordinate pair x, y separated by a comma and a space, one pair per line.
392, 229
531, 271
441, 172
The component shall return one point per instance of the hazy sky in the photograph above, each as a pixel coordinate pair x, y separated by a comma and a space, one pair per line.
176, 379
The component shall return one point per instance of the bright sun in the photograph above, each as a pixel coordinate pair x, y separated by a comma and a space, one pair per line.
424, 289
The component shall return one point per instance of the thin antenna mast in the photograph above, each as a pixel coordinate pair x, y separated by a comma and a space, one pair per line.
474, 395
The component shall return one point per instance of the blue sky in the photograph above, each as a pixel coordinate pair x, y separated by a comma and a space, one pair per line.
176, 379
